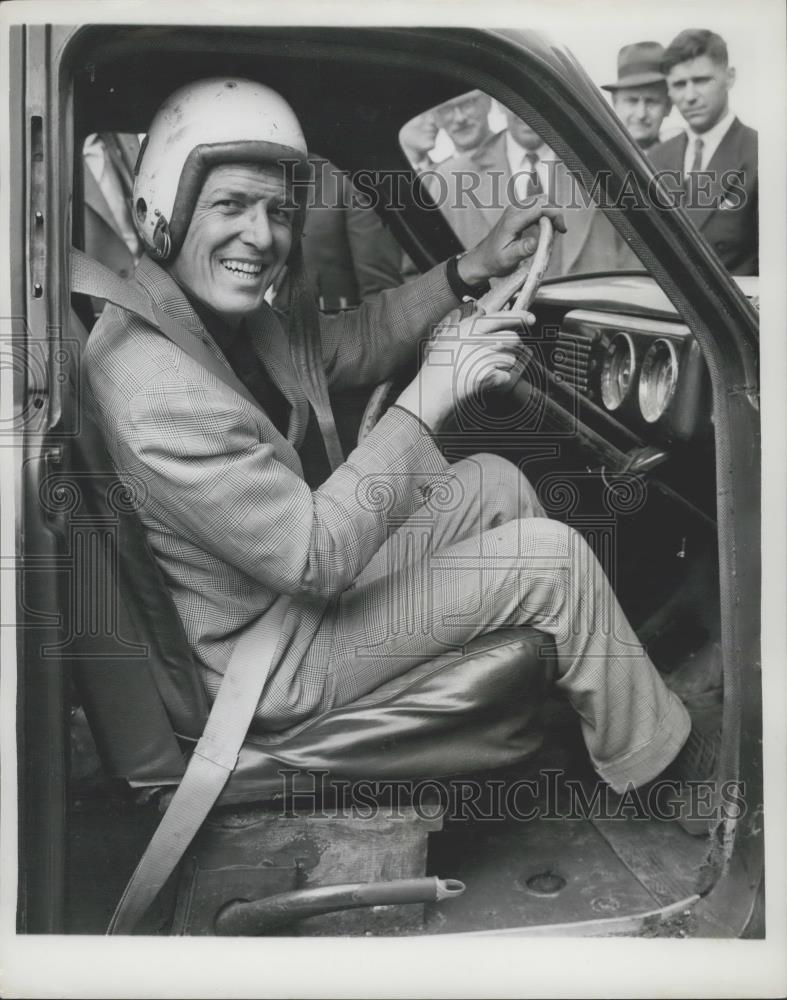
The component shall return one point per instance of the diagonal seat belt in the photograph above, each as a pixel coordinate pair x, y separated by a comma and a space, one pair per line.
88, 277
209, 768
216, 754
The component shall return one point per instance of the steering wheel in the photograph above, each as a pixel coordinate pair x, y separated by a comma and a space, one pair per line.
516, 291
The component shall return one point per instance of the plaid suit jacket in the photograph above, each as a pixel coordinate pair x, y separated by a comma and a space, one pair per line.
226, 511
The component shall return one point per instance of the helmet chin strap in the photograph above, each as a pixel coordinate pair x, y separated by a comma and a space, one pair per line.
306, 352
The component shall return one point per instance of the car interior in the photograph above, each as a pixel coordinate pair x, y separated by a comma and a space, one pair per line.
613, 421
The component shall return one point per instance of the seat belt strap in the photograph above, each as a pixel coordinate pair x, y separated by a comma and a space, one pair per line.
89, 277
209, 768
216, 754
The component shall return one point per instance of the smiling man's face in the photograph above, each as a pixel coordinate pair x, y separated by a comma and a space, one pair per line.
238, 240
466, 120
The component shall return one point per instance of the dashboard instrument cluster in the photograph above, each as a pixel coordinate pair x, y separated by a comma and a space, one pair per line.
647, 374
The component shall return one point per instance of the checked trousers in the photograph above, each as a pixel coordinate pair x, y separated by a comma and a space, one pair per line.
481, 555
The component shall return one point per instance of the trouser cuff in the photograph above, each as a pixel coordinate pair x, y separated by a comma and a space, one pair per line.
648, 760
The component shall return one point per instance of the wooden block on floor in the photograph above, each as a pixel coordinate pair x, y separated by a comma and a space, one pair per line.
251, 854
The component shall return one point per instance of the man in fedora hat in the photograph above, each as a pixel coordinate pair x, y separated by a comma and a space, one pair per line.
639, 95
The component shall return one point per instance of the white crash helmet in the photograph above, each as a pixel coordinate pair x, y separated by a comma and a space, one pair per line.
203, 124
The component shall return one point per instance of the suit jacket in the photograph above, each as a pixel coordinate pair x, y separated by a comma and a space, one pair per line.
348, 253
226, 511
730, 224
591, 243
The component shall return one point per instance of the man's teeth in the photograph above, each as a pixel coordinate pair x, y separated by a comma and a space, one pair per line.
243, 267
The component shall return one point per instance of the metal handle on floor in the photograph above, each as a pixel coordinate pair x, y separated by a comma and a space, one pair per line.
261, 916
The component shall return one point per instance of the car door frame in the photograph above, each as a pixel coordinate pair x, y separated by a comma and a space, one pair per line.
560, 101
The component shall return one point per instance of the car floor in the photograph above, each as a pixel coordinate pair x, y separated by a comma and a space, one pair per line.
518, 872
552, 869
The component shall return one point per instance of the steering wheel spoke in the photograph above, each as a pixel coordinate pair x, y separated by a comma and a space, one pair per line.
516, 291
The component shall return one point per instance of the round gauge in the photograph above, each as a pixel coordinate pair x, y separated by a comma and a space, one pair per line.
617, 371
658, 380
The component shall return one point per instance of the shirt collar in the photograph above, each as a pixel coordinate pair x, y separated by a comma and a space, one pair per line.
515, 153
712, 138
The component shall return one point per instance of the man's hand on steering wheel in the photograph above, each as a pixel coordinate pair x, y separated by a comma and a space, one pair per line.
478, 352
507, 243
482, 350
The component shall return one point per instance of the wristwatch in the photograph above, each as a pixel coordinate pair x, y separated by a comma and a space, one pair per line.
460, 288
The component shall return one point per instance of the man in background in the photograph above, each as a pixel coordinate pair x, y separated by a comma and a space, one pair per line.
418, 138
516, 164
110, 236
349, 255
639, 95
465, 120
717, 155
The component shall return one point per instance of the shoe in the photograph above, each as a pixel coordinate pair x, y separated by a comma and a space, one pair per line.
698, 757
693, 773
698, 682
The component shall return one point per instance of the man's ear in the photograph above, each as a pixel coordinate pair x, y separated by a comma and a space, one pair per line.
730, 77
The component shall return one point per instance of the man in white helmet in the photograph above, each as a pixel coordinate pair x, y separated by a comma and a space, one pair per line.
397, 557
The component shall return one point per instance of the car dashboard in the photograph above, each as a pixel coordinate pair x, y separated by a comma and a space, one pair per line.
647, 374
620, 378
618, 344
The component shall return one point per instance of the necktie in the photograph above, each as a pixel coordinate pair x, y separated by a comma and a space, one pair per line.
696, 163
692, 181
530, 164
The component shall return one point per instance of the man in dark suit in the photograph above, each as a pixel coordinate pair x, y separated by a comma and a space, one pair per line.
717, 156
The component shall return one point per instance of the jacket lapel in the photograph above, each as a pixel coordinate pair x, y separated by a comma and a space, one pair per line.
727, 157
491, 157
168, 296
680, 152
578, 220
